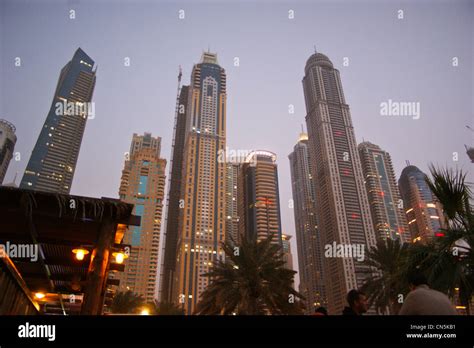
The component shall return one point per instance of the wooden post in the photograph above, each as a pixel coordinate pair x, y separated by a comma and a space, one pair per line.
96, 275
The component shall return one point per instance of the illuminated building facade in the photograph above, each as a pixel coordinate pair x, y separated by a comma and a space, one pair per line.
143, 185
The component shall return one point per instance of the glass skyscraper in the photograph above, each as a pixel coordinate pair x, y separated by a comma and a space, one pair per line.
53, 161
7, 145
386, 206
259, 196
308, 238
423, 211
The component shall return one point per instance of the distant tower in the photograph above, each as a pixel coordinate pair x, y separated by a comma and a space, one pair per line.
7, 146
308, 238
259, 211
423, 211
386, 206
143, 184
232, 201
53, 161
342, 204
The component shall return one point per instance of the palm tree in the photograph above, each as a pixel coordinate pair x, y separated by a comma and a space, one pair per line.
251, 281
452, 191
384, 286
126, 302
450, 261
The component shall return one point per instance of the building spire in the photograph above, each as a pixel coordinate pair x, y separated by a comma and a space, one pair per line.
315, 49
303, 135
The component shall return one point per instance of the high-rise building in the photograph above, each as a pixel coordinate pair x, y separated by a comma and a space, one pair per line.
423, 211
386, 207
343, 211
470, 153
232, 200
308, 239
175, 196
143, 184
259, 207
286, 247
53, 161
7, 145
202, 221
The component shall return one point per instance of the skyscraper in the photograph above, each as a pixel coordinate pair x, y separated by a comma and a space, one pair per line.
232, 201
53, 161
175, 196
386, 206
286, 247
423, 211
143, 184
259, 208
308, 239
7, 145
202, 221
470, 153
343, 211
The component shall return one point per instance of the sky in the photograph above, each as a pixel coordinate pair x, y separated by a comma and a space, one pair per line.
407, 59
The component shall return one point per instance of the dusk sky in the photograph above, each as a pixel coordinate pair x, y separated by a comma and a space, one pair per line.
405, 60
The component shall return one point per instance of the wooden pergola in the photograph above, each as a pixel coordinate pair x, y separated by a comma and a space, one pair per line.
59, 224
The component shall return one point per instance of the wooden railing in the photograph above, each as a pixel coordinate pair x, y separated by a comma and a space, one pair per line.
15, 298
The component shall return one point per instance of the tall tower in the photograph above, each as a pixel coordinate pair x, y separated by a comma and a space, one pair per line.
386, 206
259, 213
53, 161
143, 184
175, 197
202, 221
343, 211
286, 247
232, 201
308, 238
423, 211
7, 145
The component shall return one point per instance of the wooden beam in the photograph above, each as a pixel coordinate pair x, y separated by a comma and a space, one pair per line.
96, 285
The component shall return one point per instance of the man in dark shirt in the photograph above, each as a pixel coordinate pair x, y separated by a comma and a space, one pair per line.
357, 303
